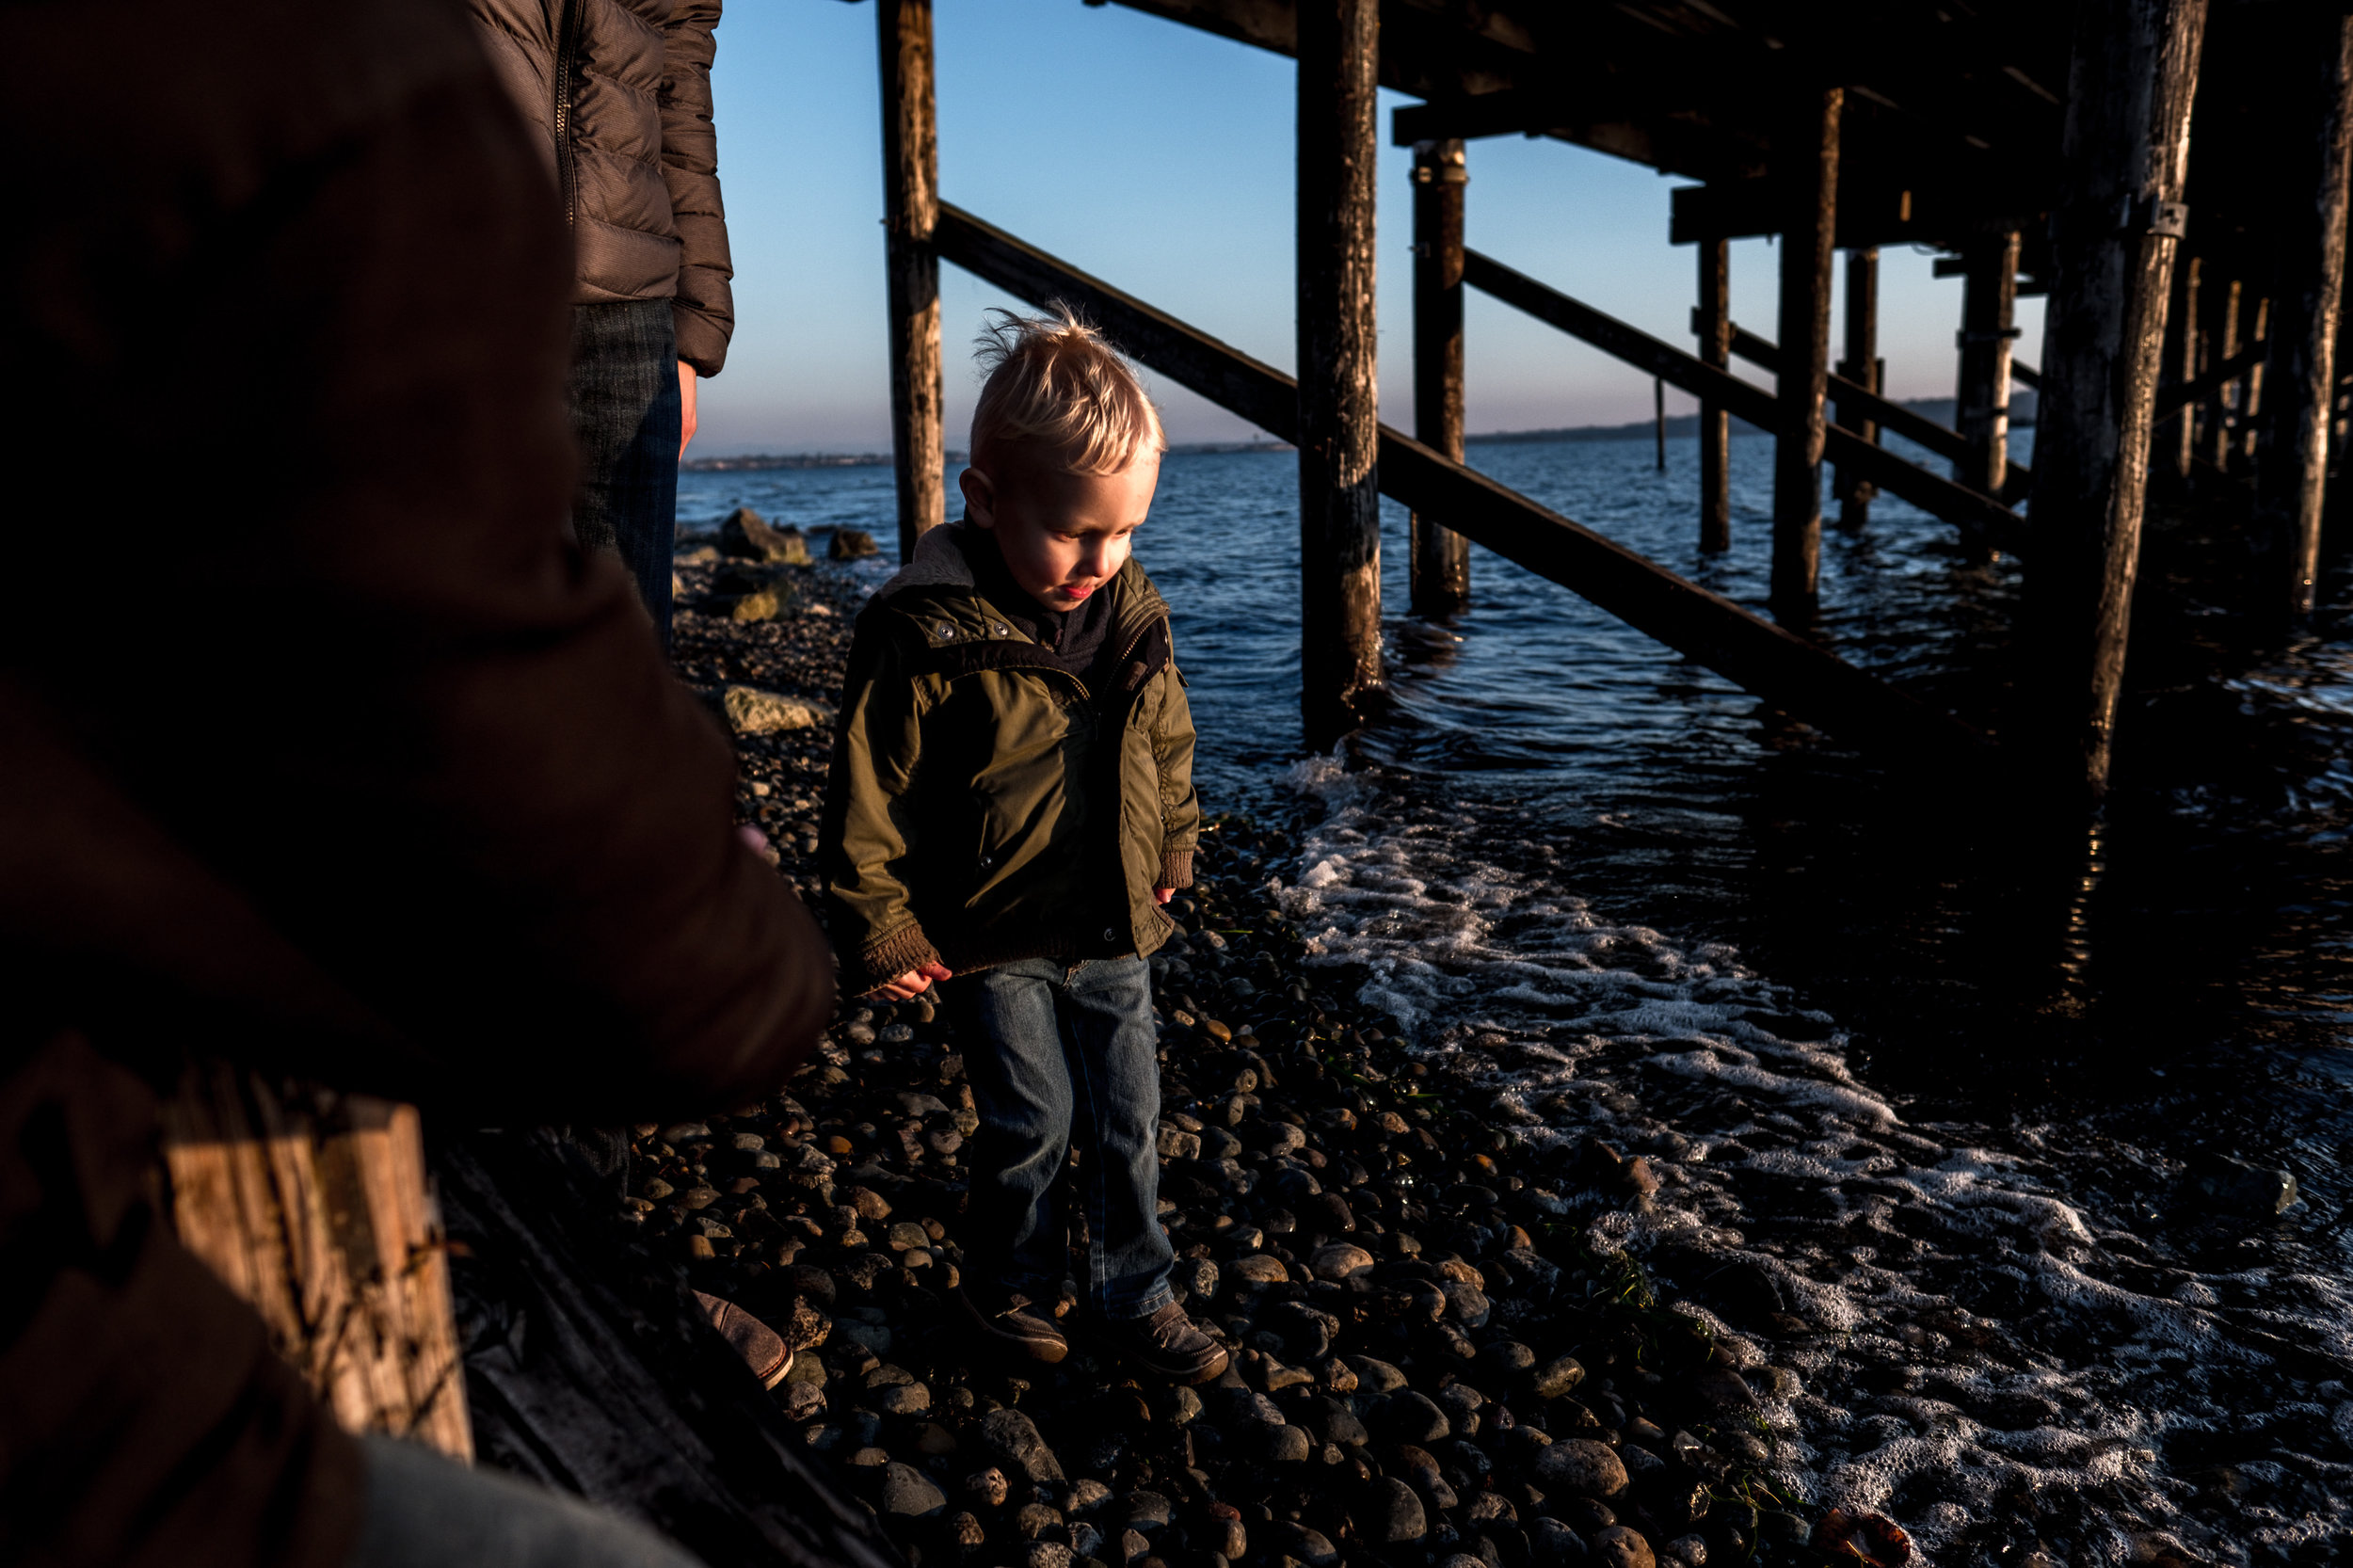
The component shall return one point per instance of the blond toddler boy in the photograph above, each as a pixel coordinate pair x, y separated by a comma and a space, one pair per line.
1011, 804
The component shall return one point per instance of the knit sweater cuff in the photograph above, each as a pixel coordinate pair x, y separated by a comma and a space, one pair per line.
1176, 869
891, 956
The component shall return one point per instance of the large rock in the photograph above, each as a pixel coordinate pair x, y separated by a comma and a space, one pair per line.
1419, 1470
1258, 1270
751, 710
1331, 1422
1376, 1376
2218, 1182
1722, 1389
1620, 1547
1409, 1417
1389, 1514
1556, 1380
1467, 1301
850, 544
1012, 1439
1582, 1468
1309, 1547
747, 535
1287, 1445
1551, 1542
908, 1492
1339, 1261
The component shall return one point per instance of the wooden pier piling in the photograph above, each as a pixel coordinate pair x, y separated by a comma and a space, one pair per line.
1441, 557
2179, 429
910, 209
1340, 415
2292, 467
1806, 169
2116, 226
1981, 405
2220, 334
1712, 323
1863, 367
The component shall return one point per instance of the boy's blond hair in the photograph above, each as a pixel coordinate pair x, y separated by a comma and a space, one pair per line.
1054, 381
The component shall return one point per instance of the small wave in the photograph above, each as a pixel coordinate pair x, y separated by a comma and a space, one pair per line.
1959, 1339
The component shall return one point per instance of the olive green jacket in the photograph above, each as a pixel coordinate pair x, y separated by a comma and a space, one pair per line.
986, 806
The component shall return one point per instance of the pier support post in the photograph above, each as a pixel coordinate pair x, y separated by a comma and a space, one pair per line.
1863, 367
2250, 390
1441, 557
910, 209
1989, 301
1339, 510
2178, 436
2292, 463
1805, 158
2221, 332
1712, 322
2113, 238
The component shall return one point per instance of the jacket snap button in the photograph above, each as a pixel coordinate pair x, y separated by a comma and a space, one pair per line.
987, 860
1111, 934
995, 630
947, 628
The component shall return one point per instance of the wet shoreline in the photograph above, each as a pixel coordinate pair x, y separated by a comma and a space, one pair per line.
1431, 1362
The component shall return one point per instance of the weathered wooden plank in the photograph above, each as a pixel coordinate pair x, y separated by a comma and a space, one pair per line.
2292, 464
1441, 557
2113, 240
1932, 492
911, 208
591, 1369
1339, 399
1803, 679
313, 1207
1805, 169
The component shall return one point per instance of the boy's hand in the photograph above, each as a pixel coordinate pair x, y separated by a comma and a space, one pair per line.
1161, 895
912, 984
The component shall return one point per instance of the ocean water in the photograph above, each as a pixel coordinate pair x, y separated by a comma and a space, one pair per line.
1940, 1088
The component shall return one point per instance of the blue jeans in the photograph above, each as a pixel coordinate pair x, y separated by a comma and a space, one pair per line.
1047, 1044
626, 415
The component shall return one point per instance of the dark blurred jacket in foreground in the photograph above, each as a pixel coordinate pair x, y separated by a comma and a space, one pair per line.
319, 747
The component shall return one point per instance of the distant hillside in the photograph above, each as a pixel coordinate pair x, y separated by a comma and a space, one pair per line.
1678, 427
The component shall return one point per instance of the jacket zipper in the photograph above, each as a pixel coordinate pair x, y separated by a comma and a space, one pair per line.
567, 42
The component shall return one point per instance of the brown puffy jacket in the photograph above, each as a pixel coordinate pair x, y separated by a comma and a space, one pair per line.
360, 770
619, 92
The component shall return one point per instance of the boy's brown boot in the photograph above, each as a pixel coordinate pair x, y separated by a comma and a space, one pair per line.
1167, 1344
1007, 1323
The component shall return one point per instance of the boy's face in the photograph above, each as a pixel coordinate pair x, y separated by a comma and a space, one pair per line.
1063, 535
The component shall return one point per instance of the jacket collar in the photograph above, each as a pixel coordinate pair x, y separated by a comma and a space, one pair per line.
941, 565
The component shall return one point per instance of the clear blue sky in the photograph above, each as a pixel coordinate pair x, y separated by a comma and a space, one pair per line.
1160, 158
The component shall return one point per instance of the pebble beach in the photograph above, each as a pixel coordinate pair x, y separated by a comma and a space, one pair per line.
1429, 1366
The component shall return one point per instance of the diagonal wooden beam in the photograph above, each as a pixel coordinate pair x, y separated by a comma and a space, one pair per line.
1791, 674
1980, 516
1857, 403
2173, 398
